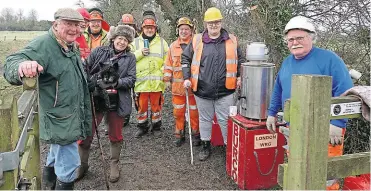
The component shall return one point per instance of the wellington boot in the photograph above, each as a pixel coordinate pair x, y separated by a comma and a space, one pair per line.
205, 151
49, 178
84, 157
64, 186
115, 159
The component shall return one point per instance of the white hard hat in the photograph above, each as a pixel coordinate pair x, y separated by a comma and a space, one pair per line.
299, 22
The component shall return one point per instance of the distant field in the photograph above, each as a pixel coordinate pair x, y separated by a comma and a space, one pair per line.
9, 46
19, 35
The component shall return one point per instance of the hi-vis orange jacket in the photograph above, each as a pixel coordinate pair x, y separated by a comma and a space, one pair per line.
173, 68
231, 61
212, 64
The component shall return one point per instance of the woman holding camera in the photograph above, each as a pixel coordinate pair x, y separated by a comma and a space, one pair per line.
111, 70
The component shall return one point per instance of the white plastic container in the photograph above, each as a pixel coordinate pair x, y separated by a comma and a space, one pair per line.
355, 74
256, 51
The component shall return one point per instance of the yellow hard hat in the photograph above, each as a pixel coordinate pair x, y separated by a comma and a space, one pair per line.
212, 14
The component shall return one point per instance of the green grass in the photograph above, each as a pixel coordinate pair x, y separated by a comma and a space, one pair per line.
19, 35
10, 46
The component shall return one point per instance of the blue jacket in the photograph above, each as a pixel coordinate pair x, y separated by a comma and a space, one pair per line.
317, 62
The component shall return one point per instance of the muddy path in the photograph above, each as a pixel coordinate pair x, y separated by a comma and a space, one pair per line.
154, 163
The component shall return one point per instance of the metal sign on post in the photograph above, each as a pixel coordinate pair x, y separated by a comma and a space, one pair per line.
340, 109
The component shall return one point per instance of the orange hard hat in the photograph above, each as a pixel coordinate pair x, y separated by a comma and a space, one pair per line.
96, 15
127, 19
148, 22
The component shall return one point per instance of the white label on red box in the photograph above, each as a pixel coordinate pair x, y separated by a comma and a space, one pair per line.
265, 141
235, 150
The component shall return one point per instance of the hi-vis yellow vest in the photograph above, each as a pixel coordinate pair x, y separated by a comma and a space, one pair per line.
103, 38
231, 61
149, 69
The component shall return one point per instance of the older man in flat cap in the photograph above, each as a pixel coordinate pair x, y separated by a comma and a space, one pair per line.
64, 107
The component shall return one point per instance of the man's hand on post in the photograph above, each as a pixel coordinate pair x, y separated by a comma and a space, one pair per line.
187, 83
336, 135
271, 124
29, 69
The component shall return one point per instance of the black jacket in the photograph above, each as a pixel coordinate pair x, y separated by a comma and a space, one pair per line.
212, 76
126, 71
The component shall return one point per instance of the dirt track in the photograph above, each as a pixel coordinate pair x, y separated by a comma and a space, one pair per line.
153, 162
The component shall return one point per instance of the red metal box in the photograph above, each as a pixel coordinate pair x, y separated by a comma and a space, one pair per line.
253, 153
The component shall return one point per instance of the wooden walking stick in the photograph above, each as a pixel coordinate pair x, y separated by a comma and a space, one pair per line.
189, 125
96, 129
99, 143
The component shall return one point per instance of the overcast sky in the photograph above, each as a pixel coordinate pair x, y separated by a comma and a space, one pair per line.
44, 8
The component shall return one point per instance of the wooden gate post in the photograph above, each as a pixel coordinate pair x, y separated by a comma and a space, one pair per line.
9, 133
309, 132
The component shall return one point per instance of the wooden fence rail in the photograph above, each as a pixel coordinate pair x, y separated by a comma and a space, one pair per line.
309, 114
19, 140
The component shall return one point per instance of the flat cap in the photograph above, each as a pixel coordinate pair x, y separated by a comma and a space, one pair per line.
68, 14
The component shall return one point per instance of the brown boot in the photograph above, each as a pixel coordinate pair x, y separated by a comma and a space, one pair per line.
115, 158
84, 157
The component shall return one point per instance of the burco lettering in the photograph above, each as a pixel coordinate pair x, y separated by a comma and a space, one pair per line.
235, 147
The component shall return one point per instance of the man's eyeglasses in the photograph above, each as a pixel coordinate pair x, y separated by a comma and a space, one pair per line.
298, 39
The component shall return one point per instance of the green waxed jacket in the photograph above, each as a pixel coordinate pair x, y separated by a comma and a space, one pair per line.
64, 100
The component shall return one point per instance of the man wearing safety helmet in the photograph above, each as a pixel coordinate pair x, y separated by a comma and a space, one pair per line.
300, 35
96, 33
150, 51
81, 41
173, 78
128, 19
210, 65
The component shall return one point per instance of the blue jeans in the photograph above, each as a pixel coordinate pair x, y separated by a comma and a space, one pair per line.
65, 159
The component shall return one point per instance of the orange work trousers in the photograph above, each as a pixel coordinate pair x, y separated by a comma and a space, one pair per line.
333, 151
179, 104
156, 100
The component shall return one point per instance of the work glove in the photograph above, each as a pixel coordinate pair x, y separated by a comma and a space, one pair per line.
187, 83
104, 86
167, 86
271, 124
336, 135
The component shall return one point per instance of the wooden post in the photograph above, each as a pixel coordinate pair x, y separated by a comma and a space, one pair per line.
30, 163
309, 132
9, 133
